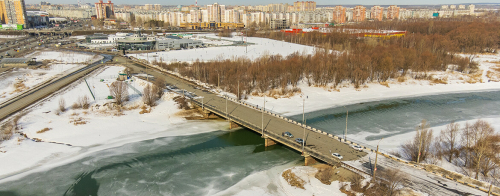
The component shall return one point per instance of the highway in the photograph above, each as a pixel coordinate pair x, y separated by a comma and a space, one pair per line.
31, 96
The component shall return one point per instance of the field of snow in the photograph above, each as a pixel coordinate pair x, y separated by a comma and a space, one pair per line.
104, 128
11, 36
271, 183
262, 46
63, 63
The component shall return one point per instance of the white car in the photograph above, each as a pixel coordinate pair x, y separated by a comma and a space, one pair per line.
357, 147
337, 155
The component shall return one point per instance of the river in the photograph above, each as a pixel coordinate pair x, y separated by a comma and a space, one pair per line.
204, 164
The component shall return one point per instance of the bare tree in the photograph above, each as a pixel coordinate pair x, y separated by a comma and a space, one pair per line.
419, 148
149, 95
62, 105
390, 182
482, 138
119, 91
159, 86
448, 141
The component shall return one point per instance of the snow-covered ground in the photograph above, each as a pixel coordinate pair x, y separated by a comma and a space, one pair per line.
104, 128
262, 46
63, 63
11, 36
270, 182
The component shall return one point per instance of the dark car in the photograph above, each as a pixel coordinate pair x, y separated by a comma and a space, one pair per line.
299, 140
287, 134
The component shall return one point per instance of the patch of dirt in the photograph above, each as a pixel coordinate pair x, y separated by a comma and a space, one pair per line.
44, 130
78, 121
292, 179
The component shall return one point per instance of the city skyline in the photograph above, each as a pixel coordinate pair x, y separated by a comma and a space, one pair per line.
264, 2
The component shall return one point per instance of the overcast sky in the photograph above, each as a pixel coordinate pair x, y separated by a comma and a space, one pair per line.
263, 2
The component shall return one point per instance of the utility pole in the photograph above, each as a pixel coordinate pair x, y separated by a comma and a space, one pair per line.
238, 96
227, 115
347, 115
263, 115
246, 42
376, 156
304, 123
147, 76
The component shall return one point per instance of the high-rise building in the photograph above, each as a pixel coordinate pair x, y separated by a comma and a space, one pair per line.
339, 14
377, 13
157, 7
359, 13
13, 12
216, 12
104, 10
393, 12
304, 6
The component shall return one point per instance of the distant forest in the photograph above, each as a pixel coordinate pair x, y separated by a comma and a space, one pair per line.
430, 45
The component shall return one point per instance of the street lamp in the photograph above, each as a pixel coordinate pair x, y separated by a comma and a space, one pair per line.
376, 156
263, 115
304, 123
347, 115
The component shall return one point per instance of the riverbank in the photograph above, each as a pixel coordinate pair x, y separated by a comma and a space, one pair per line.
75, 133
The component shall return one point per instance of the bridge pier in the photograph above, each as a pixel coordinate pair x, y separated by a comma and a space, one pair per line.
309, 160
233, 125
269, 142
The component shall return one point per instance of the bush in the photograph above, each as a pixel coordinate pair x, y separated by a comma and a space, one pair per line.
62, 105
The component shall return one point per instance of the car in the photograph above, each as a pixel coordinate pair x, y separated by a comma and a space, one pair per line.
337, 155
299, 140
357, 147
287, 134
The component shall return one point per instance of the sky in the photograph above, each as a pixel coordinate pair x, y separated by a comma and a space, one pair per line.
264, 2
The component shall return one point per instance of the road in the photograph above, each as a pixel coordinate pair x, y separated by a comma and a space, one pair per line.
31, 96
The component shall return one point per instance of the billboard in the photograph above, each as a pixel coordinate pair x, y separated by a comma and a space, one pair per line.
435, 15
11, 26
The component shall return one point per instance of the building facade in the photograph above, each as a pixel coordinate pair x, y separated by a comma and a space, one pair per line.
339, 15
393, 12
359, 13
13, 12
377, 13
104, 10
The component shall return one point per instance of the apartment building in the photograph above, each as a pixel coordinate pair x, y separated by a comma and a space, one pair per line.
13, 12
377, 13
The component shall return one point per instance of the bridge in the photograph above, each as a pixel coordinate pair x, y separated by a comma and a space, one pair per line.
318, 144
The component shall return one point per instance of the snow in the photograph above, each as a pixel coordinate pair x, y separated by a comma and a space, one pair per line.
262, 46
64, 63
104, 129
270, 182
11, 36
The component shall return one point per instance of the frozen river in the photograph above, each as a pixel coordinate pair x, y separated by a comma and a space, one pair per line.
207, 163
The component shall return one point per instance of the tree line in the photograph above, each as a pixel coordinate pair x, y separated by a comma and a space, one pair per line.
474, 147
430, 46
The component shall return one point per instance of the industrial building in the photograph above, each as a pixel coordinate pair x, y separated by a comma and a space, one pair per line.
12, 12
17, 62
176, 43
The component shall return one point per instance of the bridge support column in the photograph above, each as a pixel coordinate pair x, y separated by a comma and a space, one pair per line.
269, 142
233, 125
309, 160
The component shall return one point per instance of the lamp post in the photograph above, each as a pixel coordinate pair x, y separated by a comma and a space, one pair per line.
263, 115
347, 115
376, 156
304, 124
